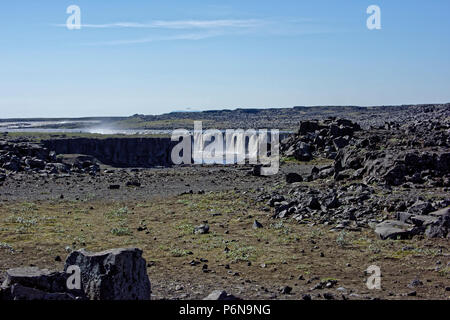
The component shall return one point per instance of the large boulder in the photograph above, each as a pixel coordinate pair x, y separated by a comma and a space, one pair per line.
441, 212
341, 142
443, 162
441, 227
303, 152
420, 208
293, 177
308, 126
116, 274
393, 229
396, 175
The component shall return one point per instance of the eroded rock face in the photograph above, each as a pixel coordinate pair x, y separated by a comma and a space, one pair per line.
117, 274
129, 152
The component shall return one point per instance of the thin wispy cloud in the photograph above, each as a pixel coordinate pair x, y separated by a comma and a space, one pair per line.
186, 36
179, 24
204, 29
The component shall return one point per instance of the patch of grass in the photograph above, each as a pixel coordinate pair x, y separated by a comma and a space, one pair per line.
240, 253
121, 231
186, 228
316, 233
282, 228
329, 280
363, 242
342, 239
180, 252
315, 161
375, 248
118, 213
4, 245
303, 267
444, 272
143, 205
24, 221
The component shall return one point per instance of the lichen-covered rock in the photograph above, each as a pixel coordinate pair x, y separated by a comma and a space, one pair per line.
117, 274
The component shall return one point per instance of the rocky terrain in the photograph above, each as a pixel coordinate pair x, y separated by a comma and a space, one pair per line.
356, 187
400, 169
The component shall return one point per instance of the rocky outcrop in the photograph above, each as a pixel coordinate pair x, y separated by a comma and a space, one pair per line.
24, 156
33, 158
369, 164
117, 274
316, 138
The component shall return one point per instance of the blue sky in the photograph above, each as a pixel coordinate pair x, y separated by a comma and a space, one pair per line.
153, 57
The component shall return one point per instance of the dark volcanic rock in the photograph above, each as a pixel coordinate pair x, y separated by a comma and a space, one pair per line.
32, 283
117, 274
420, 208
439, 228
125, 152
315, 138
201, 229
19, 292
257, 225
392, 229
34, 277
293, 177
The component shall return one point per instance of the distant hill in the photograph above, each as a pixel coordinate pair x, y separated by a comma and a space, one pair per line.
280, 118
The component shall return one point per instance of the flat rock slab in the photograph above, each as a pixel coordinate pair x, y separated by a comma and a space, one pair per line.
393, 229
441, 213
117, 274
33, 277
421, 220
